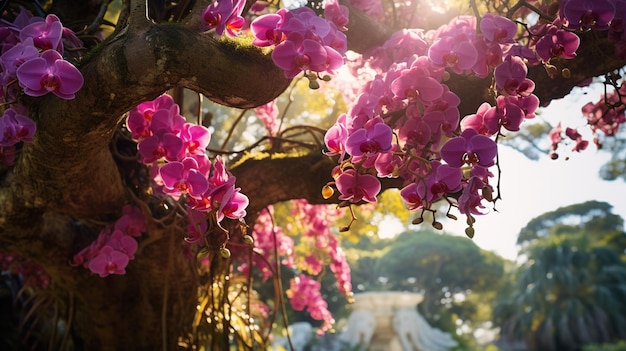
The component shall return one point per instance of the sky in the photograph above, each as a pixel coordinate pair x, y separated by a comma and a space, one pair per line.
531, 188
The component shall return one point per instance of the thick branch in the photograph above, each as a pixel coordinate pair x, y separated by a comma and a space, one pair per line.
267, 179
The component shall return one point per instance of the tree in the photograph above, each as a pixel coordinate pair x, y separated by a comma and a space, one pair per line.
594, 218
448, 270
569, 292
73, 191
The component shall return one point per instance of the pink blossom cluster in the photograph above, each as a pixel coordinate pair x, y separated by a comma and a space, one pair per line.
268, 114
115, 245
31, 62
304, 293
607, 114
270, 244
176, 150
30, 272
31, 55
316, 222
406, 123
304, 42
321, 249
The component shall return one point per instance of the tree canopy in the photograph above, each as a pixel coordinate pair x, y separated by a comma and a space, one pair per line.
141, 227
569, 291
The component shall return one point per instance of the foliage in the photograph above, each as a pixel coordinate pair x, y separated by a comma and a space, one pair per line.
571, 289
618, 346
455, 276
593, 218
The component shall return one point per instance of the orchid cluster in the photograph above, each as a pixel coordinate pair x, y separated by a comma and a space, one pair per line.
319, 247
404, 122
176, 150
606, 115
304, 293
115, 245
303, 41
32, 63
30, 273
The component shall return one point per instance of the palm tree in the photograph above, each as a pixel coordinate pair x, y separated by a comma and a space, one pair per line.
569, 293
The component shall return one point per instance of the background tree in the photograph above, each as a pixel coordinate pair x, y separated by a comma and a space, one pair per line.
71, 179
456, 277
569, 292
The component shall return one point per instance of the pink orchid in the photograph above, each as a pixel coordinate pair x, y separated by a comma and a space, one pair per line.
498, 29
485, 121
109, 261
49, 73
335, 138
470, 200
46, 34
557, 43
529, 104
140, 118
15, 127
224, 15
195, 138
132, 221
356, 187
415, 132
374, 137
455, 52
573, 134
416, 84
197, 227
121, 242
594, 14
297, 54
265, 29
167, 121
411, 196
268, 114
162, 145
336, 13
509, 115
469, 148
443, 179
510, 74
13, 58
183, 178
406, 43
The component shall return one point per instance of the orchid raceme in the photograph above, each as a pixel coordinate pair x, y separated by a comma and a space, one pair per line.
32, 63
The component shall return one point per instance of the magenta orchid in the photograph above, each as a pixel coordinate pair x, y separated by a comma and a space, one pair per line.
304, 42
163, 145
15, 128
49, 73
356, 187
183, 178
109, 261
374, 137
595, 14
46, 34
498, 29
469, 148
510, 75
115, 246
557, 43
224, 15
